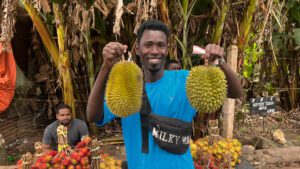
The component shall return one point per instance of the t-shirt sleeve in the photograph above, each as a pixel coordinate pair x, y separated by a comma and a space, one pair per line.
47, 138
83, 130
108, 116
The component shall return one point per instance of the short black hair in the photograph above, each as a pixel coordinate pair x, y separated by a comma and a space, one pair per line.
62, 106
152, 25
172, 61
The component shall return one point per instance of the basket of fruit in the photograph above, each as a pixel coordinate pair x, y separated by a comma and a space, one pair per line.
214, 152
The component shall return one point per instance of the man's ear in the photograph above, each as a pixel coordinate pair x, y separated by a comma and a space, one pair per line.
137, 49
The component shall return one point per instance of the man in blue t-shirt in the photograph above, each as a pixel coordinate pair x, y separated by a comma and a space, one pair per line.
165, 91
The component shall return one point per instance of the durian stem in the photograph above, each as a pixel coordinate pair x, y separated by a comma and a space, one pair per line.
129, 56
206, 62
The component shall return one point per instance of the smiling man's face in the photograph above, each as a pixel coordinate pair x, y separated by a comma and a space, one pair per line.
153, 49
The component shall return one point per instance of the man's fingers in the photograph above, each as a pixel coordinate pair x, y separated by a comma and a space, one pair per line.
108, 55
205, 56
116, 49
212, 51
124, 47
208, 49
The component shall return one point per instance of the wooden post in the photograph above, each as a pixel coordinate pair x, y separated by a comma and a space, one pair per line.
229, 104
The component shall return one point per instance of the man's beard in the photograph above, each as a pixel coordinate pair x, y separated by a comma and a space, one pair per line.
154, 68
65, 123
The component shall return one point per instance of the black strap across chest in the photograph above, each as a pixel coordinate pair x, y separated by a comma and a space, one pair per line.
145, 111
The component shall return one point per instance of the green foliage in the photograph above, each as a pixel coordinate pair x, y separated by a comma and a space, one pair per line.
278, 40
270, 88
298, 138
201, 7
58, 1
240, 116
127, 1
252, 54
297, 35
294, 10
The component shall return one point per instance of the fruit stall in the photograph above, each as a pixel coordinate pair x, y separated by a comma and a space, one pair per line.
85, 155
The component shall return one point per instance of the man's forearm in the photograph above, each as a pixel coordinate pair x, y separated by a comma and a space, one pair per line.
46, 147
96, 99
234, 86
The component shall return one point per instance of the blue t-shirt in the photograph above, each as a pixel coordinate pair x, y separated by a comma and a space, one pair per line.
167, 97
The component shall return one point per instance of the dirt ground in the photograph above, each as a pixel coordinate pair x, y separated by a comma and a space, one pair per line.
257, 130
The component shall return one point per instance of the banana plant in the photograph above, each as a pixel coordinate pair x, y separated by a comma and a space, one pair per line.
185, 10
64, 63
47, 40
245, 26
220, 21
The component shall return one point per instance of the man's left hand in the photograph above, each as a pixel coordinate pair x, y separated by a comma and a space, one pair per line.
213, 53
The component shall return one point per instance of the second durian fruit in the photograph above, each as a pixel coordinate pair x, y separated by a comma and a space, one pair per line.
124, 89
206, 88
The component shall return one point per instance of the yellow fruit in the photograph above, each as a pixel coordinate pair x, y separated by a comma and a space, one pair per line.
111, 163
237, 149
235, 155
124, 89
236, 142
230, 145
193, 147
206, 88
232, 150
119, 162
200, 144
102, 165
219, 150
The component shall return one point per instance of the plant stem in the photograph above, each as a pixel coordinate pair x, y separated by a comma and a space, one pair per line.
64, 63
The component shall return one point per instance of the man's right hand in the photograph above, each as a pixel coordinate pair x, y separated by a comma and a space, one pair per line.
112, 52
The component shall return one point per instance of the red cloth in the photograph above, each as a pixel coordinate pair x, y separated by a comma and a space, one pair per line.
7, 77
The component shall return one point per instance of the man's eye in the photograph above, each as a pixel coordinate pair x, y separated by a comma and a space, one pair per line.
162, 45
148, 45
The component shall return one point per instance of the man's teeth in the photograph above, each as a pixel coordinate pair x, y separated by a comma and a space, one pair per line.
154, 60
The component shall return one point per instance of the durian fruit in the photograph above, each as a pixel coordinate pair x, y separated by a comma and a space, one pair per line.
206, 88
124, 89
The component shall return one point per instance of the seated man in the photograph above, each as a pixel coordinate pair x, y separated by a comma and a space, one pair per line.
76, 129
173, 65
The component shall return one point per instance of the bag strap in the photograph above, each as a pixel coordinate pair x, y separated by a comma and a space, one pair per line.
145, 111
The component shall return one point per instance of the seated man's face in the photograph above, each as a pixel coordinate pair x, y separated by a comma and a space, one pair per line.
64, 116
174, 66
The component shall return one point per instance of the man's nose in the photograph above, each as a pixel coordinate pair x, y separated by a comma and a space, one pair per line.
155, 49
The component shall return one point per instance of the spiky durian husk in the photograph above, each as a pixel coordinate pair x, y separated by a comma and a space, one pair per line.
206, 88
124, 89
